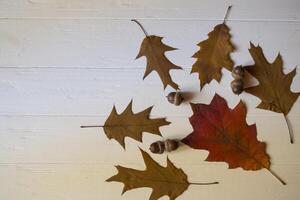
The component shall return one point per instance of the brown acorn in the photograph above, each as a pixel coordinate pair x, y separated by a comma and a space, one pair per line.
175, 98
157, 147
160, 146
171, 145
237, 86
238, 72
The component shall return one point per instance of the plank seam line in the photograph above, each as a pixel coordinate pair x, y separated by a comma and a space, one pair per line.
81, 67
104, 115
154, 19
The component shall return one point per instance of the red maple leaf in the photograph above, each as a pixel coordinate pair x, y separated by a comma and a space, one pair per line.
225, 133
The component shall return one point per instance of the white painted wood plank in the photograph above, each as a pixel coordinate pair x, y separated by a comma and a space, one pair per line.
115, 43
94, 92
60, 140
50, 182
54, 181
204, 9
65, 63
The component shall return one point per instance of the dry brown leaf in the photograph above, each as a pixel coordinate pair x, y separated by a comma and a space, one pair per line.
214, 54
274, 86
154, 50
169, 180
129, 124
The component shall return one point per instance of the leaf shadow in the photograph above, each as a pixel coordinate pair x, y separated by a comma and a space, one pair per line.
249, 80
187, 96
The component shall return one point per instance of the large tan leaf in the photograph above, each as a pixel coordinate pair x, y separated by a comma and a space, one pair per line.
129, 124
214, 54
154, 50
274, 86
168, 180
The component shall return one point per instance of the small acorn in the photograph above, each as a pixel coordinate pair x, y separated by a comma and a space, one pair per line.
175, 98
157, 147
237, 85
238, 72
160, 146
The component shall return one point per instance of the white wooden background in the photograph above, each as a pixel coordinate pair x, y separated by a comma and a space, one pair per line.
64, 63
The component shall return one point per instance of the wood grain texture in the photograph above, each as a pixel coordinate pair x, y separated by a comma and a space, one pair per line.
48, 91
97, 43
66, 63
256, 10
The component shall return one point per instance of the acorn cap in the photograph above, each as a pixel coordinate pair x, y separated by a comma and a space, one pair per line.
171, 145
175, 98
238, 72
171, 97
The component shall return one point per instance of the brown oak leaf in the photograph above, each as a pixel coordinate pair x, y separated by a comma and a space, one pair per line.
225, 133
274, 86
214, 54
129, 124
169, 180
154, 50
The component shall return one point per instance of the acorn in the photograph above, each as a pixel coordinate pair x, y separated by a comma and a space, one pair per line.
237, 86
160, 146
175, 98
238, 72
157, 147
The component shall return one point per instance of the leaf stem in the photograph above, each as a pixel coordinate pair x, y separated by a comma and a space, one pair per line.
211, 183
140, 25
276, 176
289, 128
93, 126
227, 14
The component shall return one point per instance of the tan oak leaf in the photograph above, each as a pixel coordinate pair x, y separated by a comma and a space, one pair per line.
129, 124
274, 88
214, 54
154, 50
169, 180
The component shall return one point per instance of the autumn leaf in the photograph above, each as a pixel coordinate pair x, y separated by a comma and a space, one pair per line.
274, 86
154, 50
169, 180
226, 135
214, 54
129, 124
